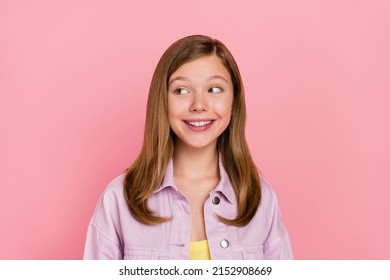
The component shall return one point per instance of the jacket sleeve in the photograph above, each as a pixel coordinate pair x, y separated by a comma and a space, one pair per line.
104, 237
100, 247
280, 250
277, 245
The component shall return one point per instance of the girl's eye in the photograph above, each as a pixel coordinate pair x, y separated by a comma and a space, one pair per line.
215, 90
181, 91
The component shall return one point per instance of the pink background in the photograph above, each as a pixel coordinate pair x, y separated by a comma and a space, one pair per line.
74, 77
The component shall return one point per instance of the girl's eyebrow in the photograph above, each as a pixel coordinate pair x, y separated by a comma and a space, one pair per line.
218, 77
178, 78
181, 78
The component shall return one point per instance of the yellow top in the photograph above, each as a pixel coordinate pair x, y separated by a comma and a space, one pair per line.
199, 250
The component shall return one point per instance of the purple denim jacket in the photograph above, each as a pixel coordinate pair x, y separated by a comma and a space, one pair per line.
114, 233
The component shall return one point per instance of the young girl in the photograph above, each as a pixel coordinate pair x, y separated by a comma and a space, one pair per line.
194, 191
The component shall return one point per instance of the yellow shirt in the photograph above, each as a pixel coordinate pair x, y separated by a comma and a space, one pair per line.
199, 250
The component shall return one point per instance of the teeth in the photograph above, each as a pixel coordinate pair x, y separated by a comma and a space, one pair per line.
198, 124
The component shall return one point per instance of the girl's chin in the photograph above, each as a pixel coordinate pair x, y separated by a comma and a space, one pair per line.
192, 145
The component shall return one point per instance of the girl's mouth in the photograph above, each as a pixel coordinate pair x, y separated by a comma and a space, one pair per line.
199, 123
198, 126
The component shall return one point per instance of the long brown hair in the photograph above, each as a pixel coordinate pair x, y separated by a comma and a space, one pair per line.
146, 173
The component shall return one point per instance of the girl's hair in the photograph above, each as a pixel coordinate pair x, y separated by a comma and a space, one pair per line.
146, 173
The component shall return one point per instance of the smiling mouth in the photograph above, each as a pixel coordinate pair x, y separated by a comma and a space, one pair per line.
198, 123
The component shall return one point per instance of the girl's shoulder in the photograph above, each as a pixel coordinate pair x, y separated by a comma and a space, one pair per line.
112, 197
268, 194
116, 184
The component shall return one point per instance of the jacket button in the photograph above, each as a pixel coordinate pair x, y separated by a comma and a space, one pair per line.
216, 200
224, 243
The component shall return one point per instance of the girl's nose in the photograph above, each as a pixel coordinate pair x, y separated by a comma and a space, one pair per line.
199, 103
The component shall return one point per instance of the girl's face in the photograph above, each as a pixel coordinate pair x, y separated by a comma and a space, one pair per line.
200, 98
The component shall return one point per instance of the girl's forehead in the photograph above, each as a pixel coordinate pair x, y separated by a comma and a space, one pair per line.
203, 67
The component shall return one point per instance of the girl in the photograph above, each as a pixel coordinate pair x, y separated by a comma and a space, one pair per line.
194, 191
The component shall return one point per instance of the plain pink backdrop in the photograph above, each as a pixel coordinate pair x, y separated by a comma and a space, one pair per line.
74, 77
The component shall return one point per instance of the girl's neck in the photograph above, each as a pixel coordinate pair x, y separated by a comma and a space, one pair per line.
195, 163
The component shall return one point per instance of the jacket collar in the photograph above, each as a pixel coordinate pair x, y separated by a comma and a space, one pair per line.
224, 186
